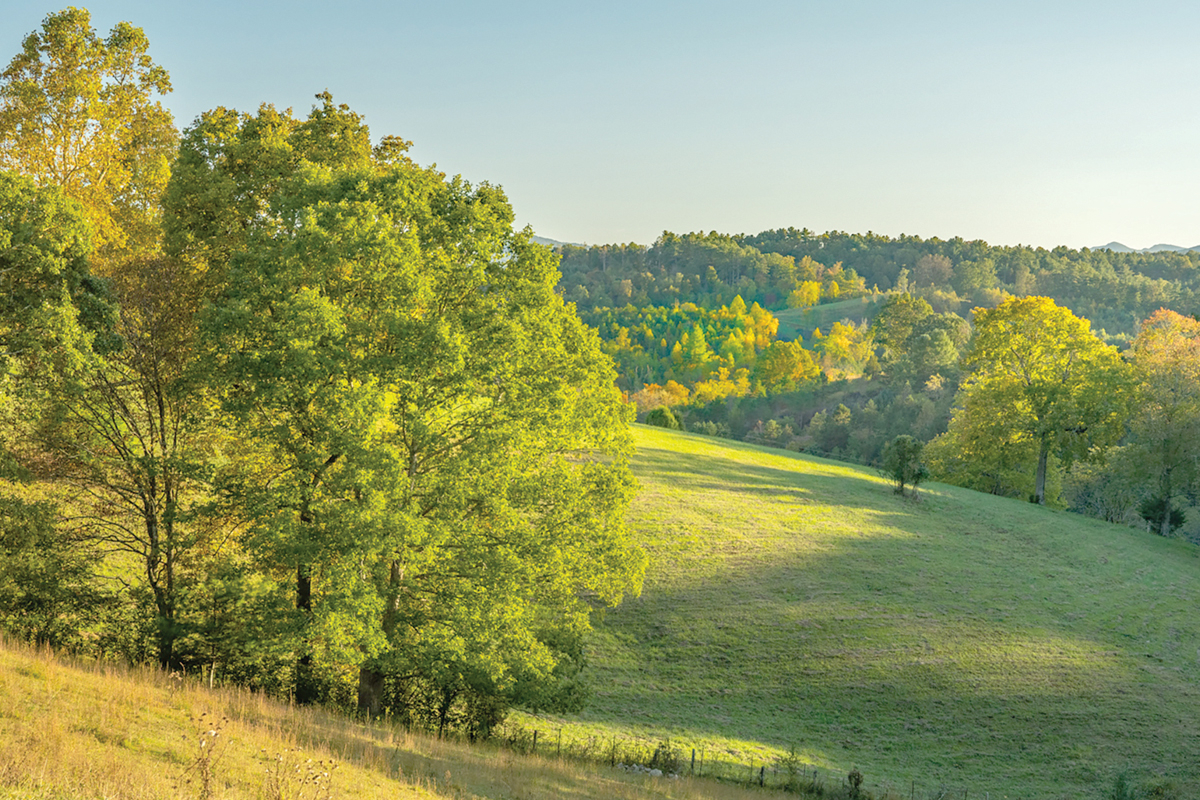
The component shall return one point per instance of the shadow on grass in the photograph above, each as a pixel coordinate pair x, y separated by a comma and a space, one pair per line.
703, 471
967, 637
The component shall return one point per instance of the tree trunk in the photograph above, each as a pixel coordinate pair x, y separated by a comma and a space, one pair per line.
448, 696
370, 692
1039, 490
1165, 490
166, 642
370, 679
306, 687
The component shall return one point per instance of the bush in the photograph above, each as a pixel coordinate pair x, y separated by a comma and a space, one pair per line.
48, 594
1122, 788
662, 418
902, 463
667, 758
1159, 788
710, 429
1155, 510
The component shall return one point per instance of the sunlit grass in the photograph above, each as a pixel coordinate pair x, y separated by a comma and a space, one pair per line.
793, 321
964, 640
87, 730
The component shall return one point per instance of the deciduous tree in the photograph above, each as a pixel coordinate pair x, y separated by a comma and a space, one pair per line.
444, 444
129, 432
1165, 441
901, 462
1039, 375
785, 367
895, 321
79, 112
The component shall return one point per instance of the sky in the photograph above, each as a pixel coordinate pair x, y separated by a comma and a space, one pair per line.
1043, 123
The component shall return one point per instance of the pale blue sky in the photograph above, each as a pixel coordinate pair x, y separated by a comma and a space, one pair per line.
1016, 122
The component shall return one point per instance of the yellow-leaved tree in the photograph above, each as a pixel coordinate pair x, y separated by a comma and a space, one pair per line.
1165, 437
79, 112
1042, 385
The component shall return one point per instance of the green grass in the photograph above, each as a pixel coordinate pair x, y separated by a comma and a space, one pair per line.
796, 321
965, 641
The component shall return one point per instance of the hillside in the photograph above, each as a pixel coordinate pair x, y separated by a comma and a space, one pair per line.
965, 641
90, 730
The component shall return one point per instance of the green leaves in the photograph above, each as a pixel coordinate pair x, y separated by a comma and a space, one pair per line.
46, 289
1042, 383
76, 111
444, 443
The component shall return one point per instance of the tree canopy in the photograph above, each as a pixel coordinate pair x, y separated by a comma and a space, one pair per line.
78, 112
397, 357
1039, 375
426, 496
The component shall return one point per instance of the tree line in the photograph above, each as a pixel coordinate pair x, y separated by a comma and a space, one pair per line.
917, 368
790, 268
286, 407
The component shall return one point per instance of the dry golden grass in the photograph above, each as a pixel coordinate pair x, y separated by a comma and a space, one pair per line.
91, 730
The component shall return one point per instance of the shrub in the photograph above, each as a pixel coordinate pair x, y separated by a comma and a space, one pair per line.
662, 418
902, 463
1155, 511
1122, 788
710, 429
667, 758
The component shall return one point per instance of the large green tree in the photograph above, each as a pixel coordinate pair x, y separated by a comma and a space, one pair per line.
438, 450
130, 433
1040, 378
53, 316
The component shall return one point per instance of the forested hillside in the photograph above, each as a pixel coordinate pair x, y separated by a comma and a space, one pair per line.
883, 341
788, 268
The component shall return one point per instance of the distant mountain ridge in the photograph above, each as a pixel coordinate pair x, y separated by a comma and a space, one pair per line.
1117, 247
554, 242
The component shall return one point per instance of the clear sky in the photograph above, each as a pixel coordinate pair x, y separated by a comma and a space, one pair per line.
1041, 123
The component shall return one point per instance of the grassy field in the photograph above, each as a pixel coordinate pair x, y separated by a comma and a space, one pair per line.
78, 730
796, 321
964, 642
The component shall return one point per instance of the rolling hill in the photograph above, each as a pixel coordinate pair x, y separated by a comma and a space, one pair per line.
963, 642
962, 645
